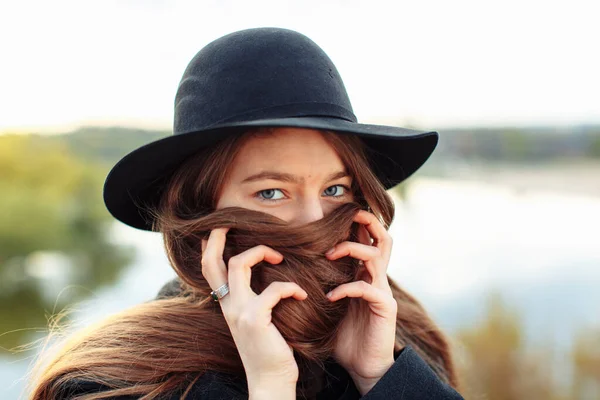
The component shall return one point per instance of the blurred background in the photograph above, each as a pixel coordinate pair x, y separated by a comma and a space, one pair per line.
498, 235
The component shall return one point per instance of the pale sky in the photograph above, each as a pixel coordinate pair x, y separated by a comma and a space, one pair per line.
430, 64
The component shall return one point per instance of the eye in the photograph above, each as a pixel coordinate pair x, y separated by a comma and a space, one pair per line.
336, 191
270, 195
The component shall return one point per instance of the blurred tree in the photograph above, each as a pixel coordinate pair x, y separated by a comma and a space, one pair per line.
516, 145
495, 364
519, 144
53, 232
594, 146
105, 144
586, 365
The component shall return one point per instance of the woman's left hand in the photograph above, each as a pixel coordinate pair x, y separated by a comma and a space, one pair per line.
367, 351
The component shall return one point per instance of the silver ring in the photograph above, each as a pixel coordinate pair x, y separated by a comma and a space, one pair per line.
220, 292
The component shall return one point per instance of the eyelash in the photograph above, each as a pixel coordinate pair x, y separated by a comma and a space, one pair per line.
257, 194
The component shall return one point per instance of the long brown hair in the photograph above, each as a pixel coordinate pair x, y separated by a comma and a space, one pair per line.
165, 345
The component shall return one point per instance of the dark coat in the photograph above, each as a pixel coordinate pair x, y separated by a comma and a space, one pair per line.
410, 378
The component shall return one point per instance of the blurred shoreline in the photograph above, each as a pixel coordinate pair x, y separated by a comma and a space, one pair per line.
573, 177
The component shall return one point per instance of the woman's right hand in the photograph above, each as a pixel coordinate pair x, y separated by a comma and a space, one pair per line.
271, 369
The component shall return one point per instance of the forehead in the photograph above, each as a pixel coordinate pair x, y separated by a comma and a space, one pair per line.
302, 152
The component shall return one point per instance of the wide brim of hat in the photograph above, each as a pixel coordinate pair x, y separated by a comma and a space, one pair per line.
138, 179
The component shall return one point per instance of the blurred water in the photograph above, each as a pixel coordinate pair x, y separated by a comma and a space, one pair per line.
454, 242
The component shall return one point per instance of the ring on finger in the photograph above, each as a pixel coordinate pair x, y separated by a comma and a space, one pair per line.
220, 292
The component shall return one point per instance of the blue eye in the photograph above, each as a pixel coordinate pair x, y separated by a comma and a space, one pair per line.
334, 192
273, 195
269, 194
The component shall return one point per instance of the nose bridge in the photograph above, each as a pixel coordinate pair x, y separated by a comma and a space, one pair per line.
311, 210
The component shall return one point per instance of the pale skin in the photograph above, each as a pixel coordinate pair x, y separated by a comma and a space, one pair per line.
301, 180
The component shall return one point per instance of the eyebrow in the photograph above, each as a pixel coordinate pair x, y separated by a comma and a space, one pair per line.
284, 177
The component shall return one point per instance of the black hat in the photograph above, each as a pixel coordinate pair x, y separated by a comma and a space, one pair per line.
253, 78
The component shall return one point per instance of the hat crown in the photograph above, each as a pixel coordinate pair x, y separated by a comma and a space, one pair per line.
256, 74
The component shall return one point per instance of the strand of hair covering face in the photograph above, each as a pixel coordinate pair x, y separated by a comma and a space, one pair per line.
308, 326
163, 346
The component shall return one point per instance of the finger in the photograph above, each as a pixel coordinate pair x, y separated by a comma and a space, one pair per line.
370, 255
356, 250
377, 298
213, 266
240, 269
380, 235
276, 291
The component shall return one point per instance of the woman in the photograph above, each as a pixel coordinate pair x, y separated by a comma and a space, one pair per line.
272, 204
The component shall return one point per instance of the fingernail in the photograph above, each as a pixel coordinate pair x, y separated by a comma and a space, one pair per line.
330, 251
329, 294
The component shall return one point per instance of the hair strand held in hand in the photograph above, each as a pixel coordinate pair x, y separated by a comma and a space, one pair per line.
164, 345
